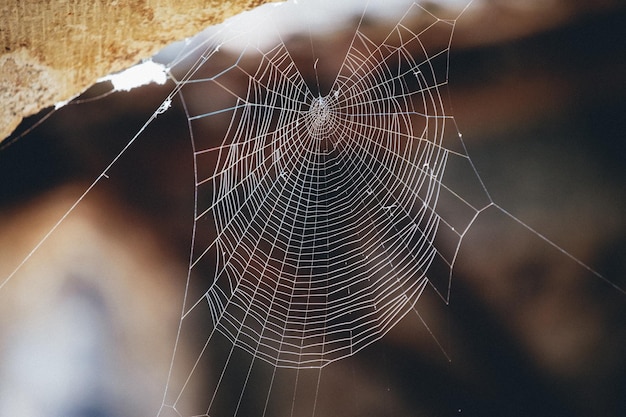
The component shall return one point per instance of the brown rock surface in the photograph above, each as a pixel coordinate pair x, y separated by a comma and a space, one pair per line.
52, 50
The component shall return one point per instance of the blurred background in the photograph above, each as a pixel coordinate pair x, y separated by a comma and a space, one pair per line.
88, 325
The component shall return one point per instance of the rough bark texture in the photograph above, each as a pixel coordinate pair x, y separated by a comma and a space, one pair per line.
51, 50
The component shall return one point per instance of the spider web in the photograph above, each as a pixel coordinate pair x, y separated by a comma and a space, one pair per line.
298, 281
322, 209
324, 201
321, 200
